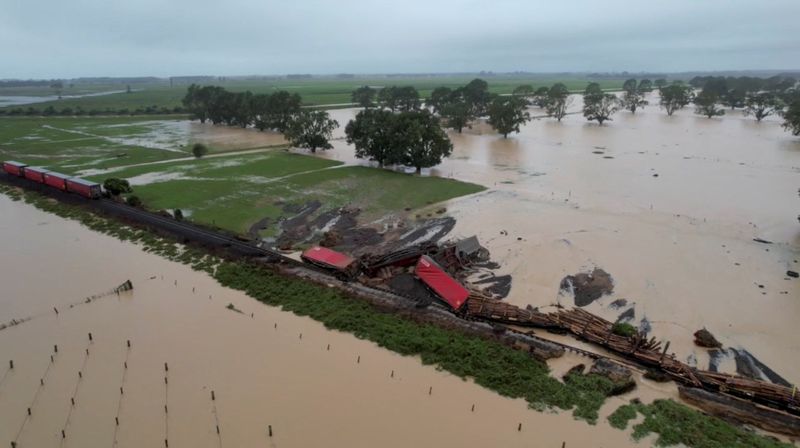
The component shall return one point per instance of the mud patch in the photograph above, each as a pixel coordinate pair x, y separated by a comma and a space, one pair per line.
587, 287
498, 285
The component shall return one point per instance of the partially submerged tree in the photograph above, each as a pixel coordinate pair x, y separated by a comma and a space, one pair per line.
762, 104
506, 114
439, 98
660, 83
598, 105
542, 95
364, 96
116, 186
399, 98
421, 140
311, 130
632, 96
558, 100
524, 91
457, 115
372, 132
645, 86
476, 94
675, 97
791, 118
199, 150
706, 104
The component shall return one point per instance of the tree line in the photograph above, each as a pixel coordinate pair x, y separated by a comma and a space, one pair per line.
79, 111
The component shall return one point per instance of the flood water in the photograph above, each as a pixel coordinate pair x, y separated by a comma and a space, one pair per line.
669, 206
271, 369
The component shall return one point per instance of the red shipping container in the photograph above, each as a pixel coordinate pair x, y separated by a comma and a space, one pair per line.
14, 168
56, 180
83, 187
35, 174
440, 282
328, 258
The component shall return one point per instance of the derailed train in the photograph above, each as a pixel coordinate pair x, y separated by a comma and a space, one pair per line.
426, 269
432, 275
63, 182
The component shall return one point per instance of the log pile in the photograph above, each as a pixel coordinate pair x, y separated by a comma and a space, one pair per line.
648, 352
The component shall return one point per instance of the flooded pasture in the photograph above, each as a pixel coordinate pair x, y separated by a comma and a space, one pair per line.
266, 368
669, 206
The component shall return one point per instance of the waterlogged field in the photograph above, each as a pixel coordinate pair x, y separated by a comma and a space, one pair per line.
315, 91
234, 192
86, 144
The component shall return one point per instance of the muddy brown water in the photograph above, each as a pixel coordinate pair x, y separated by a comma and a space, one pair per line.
260, 368
669, 206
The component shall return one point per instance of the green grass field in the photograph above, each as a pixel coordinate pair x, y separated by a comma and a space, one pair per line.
315, 91
73, 144
234, 192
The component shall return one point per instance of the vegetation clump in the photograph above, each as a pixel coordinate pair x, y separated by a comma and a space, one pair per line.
623, 329
678, 424
115, 186
199, 150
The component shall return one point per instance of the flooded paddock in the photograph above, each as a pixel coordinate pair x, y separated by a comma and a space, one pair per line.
669, 206
314, 387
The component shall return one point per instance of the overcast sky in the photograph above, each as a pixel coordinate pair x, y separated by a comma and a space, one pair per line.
72, 38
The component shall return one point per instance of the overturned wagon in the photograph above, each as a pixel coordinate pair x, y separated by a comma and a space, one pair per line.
439, 281
341, 265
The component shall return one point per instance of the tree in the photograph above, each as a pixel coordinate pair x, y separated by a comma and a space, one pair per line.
645, 86
457, 114
364, 96
440, 97
791, 118
762, 104
275, 111
675, 97
311, 130
706, 104
630, 85
371, 132
476, 93
632, 96
177, 214
661, 83
558, 100
734, 98
115, 186
524, 91
199, 150
134, 201
506, 114
542, 95
598, 105
399, 98
420, 139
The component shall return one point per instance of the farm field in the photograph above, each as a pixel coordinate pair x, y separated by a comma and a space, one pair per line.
234, 192
74, 145
317, 91
231, 191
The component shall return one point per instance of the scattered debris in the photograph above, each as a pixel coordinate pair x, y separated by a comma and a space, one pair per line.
588, 287
617, 304
792, 274
704, 338
762, 241
620, 376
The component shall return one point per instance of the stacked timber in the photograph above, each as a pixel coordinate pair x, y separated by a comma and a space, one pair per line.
480, 306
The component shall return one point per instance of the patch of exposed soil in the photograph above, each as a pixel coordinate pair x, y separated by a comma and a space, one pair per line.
704, 338
588, 287
407, 285
499, 285
749, 366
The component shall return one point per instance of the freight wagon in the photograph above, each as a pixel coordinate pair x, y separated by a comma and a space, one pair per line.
56, 180
440, 282
343, 266
35, 174
14, 168
83, 187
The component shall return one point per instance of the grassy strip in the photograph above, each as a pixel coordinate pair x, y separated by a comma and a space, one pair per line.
675, 423
502, 369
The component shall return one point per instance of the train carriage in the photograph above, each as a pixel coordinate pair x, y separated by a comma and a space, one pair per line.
34, 174
56, 180
344, 266
441, 283
83, 187
14, 168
